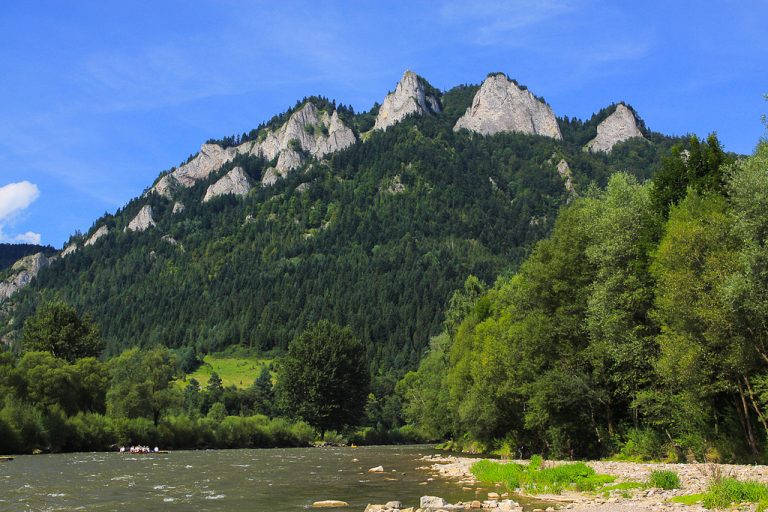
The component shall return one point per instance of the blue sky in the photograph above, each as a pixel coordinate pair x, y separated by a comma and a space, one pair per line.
98, 97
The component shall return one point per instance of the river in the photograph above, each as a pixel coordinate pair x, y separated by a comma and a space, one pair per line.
278, 480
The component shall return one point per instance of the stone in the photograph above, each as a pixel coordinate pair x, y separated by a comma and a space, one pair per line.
102, 231
432, 502
377, 469
24, 271
409, 98
178, 207
493, 496
502, 106
330, 504
621, 125
143, 220
169, 239
475, 504
235, 182
393, 504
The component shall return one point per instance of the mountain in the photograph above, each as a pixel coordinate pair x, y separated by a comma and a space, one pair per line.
10, 253
367, 219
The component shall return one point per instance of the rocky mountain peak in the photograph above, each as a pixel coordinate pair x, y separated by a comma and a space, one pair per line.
24, 271
234, 182
142, 221
410, 97
502, 106
315, 131
617, 127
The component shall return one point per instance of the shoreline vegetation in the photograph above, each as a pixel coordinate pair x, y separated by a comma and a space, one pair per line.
603, 486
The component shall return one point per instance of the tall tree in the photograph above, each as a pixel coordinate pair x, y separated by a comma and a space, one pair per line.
57, 328
323, 379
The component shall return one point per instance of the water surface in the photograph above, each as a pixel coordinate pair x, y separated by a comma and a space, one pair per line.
278, 480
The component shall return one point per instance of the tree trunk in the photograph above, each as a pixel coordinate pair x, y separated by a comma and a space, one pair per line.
760, 415
747, 423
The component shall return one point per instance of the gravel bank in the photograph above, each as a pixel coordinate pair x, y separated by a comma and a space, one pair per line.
694, 479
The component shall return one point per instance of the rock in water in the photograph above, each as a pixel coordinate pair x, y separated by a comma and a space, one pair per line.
377, 469
410, 97
142, 221
235, 182
432, 502
617, 127
501, 106
102, 231
24, 270
330, 504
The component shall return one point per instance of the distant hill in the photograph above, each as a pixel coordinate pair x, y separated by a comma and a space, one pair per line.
368, 219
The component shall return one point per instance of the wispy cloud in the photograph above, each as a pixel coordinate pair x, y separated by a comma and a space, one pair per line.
502, 21
14, 199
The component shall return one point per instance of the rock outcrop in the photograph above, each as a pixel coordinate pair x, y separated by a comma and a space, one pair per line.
564, 170
23, 271
235, 182
102, 231
178, 207
308, 130
142, 221
70, 249
501, 106
410, 97
617, 127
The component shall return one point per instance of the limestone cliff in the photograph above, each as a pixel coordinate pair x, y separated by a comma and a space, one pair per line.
102, 231
501, 106
308, 129
142, 221
70, 249
410, 97
23, 271
564, 170
617, 127
235, 182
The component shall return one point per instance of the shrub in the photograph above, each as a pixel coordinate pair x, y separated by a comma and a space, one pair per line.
729, 490
664, 480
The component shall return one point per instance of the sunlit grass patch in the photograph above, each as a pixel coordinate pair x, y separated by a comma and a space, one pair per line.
237, 371
537, 478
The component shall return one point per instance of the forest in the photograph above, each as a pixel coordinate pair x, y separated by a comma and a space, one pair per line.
477, 300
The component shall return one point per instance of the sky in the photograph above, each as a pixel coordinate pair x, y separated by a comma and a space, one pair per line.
98, 97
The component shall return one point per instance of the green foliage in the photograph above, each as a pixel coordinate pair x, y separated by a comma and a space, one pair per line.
11, 253
662, 479
534, 478
323, 378
729, 491
57, 328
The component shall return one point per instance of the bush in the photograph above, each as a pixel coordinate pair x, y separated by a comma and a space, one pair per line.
728, 491
664, 480
577, 476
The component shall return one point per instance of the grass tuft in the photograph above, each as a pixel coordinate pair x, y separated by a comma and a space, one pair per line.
664, 480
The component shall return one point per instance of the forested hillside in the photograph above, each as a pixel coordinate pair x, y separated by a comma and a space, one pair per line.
376, 236
637, 327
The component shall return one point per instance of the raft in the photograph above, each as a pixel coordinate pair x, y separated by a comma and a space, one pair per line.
6, 459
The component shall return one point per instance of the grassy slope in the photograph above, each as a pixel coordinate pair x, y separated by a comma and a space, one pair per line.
238, 371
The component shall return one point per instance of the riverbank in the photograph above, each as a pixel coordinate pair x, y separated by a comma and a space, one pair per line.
694, 479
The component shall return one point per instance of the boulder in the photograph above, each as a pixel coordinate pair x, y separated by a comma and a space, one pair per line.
330, 504
502, 106
409, 98
432, 502
377, 469
621, 125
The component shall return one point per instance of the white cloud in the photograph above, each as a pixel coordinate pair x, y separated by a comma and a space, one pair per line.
28, 238
15, 198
